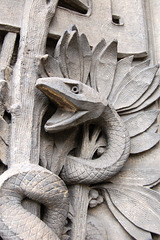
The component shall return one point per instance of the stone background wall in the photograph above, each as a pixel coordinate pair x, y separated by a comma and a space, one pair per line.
134, 24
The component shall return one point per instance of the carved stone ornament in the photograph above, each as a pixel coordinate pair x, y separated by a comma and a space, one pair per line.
82, 168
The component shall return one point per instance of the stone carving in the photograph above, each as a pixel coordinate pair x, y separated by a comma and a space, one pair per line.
109, 98
100, 118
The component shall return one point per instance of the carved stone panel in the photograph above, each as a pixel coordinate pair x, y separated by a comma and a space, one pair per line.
79, 141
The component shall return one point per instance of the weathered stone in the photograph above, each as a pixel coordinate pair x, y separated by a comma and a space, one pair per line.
98, 23
96, 128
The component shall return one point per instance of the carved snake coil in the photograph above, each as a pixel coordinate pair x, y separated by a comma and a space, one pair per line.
40, 185
86, 105
87, 171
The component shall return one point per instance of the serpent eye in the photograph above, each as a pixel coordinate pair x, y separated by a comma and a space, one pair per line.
75, 89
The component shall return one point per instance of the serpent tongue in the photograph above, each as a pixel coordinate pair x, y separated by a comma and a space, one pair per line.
59, 116
62, 119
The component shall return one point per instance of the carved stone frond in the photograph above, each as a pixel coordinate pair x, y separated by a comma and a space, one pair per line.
138, 204
68, 63
138, 176
103, 224
135, 87
104, 69
54, 150
132, 229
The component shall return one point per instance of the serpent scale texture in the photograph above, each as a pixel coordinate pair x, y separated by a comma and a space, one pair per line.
41, 186
78, 170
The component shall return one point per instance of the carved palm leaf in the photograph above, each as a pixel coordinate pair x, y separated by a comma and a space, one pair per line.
139, 205
115, 225
130, 90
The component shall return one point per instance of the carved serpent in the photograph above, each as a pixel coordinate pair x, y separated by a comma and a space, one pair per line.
78, 170
39, 185
79, 103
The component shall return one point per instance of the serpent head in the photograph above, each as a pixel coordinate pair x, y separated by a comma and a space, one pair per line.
77, 102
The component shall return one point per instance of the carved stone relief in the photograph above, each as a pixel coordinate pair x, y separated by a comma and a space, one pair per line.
78, 131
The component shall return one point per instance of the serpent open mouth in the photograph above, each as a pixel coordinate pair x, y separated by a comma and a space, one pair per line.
57, 97
67, 113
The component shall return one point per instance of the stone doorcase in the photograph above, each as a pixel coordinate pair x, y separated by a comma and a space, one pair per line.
79, 119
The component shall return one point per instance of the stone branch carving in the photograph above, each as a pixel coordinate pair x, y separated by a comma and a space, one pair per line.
27, 114
103, 118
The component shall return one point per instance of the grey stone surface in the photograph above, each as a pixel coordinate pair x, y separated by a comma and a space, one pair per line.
86, 116
98, 23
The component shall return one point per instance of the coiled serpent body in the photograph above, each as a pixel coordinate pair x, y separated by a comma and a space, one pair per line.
40, 185
87, 171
